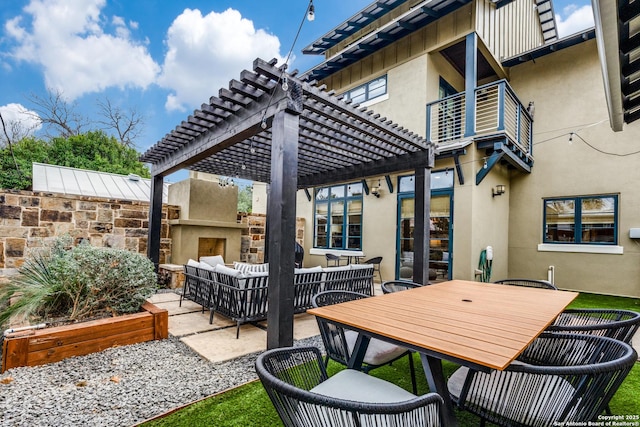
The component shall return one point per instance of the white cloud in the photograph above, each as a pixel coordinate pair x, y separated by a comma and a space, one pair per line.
67, 38
577, 19
19, 120
205, 52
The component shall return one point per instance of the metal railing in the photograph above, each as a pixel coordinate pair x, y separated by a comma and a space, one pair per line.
498, 111
446, 119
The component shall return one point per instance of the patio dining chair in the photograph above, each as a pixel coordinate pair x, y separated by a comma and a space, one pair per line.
332, 260
529, 283
339, 342
398, 285
376, 265
296, 381
558, 379
617, 324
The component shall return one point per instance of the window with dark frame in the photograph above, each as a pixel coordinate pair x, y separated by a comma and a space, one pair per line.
368, 91
589, 220
338, 217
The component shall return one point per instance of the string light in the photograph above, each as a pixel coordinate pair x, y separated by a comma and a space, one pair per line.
311, 15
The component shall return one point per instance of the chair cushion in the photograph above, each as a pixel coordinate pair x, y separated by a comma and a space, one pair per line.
212, 260
357, 386
546, 395
378, 352
193, 263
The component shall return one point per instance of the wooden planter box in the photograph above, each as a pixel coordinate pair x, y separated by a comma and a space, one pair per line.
37, 347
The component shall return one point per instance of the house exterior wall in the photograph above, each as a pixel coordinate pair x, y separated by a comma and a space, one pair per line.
569, 97
447, 30
567, 89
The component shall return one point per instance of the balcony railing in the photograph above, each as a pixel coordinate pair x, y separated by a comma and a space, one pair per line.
498, 112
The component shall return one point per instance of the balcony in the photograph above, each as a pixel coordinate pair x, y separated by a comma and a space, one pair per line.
501, 124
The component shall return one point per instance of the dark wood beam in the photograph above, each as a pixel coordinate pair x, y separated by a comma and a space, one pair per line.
422, 211
282, 226
359, 171
155, 220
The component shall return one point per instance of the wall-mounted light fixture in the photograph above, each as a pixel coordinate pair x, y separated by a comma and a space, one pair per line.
498, 191
375, 190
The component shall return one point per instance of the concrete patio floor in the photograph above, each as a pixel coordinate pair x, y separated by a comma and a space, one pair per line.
217, 342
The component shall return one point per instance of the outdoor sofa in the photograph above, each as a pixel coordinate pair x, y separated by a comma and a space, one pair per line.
241, 293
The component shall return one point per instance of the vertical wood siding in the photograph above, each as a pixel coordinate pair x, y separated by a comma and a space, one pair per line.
509, 30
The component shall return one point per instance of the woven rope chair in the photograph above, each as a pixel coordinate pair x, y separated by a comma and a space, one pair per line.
559, 378
398, 285
617, 324
529, 283
339, 342
304, 395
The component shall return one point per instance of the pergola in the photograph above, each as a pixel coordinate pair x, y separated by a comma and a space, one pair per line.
274, 127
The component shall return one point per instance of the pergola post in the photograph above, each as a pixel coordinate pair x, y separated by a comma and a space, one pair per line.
281, 223
421, 225
155, 220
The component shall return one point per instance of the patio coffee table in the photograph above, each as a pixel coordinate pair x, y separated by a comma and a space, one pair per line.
480, 325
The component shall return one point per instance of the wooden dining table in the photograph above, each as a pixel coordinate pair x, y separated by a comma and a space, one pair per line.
480, 325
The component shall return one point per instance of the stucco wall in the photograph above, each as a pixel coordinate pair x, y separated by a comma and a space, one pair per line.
568, 92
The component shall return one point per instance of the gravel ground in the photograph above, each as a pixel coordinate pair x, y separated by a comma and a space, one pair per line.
121, 386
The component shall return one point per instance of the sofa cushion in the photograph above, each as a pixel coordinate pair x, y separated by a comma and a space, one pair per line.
193, 263
206, 266
316, 269
361, 266
244, 267
212, 260
341, 268
223, 269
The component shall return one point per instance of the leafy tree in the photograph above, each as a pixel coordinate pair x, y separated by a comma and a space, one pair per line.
245, 199
92, 150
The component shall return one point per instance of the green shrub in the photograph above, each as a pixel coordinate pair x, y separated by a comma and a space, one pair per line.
77, 283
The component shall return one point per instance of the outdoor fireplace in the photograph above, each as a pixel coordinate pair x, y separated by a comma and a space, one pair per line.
208, 223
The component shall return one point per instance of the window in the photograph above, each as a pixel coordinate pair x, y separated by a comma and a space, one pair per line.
338, 217
367, 91
589, 220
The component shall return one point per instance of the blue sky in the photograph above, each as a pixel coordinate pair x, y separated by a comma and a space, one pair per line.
163, 58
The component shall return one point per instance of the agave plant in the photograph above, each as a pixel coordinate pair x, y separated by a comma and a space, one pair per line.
77, 283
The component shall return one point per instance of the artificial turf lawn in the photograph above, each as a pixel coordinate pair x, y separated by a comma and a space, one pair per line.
249, 405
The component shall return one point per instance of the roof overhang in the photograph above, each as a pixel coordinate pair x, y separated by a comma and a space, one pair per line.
549, 48
351, 26
414, 19
618, 34
337, 141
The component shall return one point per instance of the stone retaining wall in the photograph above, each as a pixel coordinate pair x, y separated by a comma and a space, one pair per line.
30, 219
